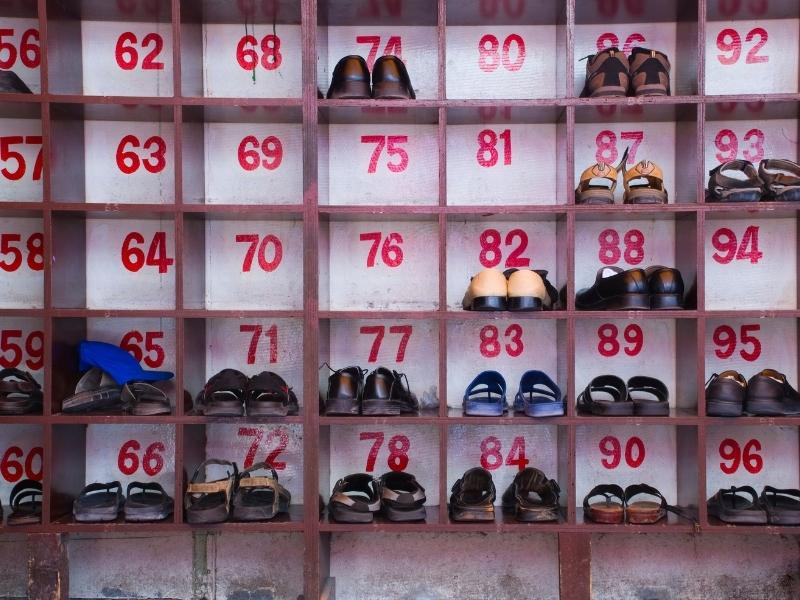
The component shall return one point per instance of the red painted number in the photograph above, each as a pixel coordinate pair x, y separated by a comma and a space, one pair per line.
12, 468
398, 446
128, 56
490, 341
487, 147
730, 42
271, 150
610, 253
490, 58
728, 145
608, 344
611, 448
748, 456
134, 258
129, 161
390, 142
271, 57
610, 40
7, 153
262, 245
394, 46
391, 251
137, 343
491, 255
34, 348
606, 142
152, 462
725, 339
379, 331
13, 254
492, 457
728, 248
270, 332
278, 436
29, 54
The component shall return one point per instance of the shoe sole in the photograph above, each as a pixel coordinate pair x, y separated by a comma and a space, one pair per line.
721, 408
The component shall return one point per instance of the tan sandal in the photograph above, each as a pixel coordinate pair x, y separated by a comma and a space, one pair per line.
644, 184
210, 501
598, 182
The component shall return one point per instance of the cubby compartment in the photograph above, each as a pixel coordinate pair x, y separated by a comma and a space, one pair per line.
751, 47
379, 262
376, 155
110, 48
247, 49
665, 135
506, 155
407, 346
250, 344
112, 154
22, 453
20, 41
243, 261
23, 345
21, 154
242, 155
373, 29
751, 260
279, 445
22, 260
504, 49
669, 27
662, 456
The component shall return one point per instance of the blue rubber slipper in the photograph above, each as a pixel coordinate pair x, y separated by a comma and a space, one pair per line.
486, 396
538, 396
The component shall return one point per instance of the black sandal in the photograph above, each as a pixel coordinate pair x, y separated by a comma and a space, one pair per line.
650, 396
403, 497
355, 499
151, 503
96, 390
98, 503
473, 496
782, 506
608, 511
20, 393
532, 497
144, 399
26, 503
209, 501
619, 404
733, 506
722, 188
259, 498
268, 395
223, 394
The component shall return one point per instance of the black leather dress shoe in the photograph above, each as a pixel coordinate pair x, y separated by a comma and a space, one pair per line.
615, 289
725, 394
345, 387
10, 83
350, 79
770, 394
386, 394
665, 286
390, 80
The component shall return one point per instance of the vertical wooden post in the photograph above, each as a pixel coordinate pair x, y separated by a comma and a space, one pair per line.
574, 566
48, 567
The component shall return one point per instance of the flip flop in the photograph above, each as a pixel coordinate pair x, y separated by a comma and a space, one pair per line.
98, 502
734, 506
26, 503
485, 396
209, 501
152, 503
782, 506
608, 511
144, 399
644, 512
538, 396
20, 393
259, 498
96, 390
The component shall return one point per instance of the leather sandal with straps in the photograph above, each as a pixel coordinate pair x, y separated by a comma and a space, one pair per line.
144, 399
748, 187
737, 505
644, 184
147, 501
259, 498
209, 501
20, 393
608, 511
598, 182
402, 497
472, 497
649, 395
26, 503
781, 179
98, 502
532, 497
355, 499
606, 395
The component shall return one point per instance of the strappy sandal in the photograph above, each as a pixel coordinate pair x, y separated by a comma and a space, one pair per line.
96, 390
538, 396
402, 497
748, 187
150, 503
737, 505
644, 184
144, 399
614, 401
20, 393
650, 396
782, 506
644, 512
98, 503
355, 499
223, 394
209, 501
26, 503
609, 511
532, 497
472, 497
268, 395
259, 498
486, 396
781, 179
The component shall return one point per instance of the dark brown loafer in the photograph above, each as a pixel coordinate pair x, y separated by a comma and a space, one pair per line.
606, 74
725, 394
390, 80
350, 79
649, 72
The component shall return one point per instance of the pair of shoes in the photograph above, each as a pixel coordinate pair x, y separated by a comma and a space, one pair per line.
656, 287
644, 183
774, 506
641, 512
512, 289
231, 393
390, 80
239, 495
103, 502
537, 396
10, 83
20, 393
611, 73
767, 394
25, 502
384, 392
609, 396
777, 179
357, 498
531, 497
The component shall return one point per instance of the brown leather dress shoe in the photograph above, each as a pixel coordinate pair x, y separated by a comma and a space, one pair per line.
390, 80
350, 79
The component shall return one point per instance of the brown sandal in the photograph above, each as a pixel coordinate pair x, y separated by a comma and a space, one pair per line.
609, 512
644, 184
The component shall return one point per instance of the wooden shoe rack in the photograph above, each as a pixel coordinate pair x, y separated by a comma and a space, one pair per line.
197, 201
